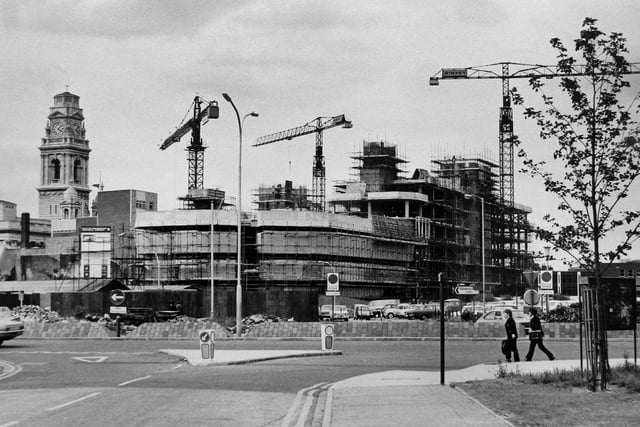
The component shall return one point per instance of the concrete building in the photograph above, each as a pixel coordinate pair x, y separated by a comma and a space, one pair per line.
386, 235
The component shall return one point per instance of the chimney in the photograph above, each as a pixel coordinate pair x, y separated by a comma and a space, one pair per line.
25, 237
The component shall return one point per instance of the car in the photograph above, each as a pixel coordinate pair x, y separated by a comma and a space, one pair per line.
376, 306
499, 316
11, 326
397, 310
452, 305
424, 311
340, 312
361, 312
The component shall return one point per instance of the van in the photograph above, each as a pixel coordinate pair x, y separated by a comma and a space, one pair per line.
377, 305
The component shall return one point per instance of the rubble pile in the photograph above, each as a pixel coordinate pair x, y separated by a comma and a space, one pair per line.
250, 322
35, 313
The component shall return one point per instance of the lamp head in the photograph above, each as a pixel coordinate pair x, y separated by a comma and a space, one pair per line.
254, 114
226, 97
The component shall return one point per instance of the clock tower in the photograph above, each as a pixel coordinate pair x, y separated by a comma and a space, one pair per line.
64, 162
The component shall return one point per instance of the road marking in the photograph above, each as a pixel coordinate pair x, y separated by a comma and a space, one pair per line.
312, 396
9, 369
133, 381
89, 396
94, 359
12, 423
310, 392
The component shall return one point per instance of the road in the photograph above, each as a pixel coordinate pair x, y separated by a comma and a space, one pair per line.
105, 382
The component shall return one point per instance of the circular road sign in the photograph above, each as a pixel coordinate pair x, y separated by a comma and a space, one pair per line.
531, 297
546, 276
116, 297
204, 336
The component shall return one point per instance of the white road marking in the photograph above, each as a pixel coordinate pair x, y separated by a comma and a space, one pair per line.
133, 381
93, 359
12, 423
89, 396
310, 392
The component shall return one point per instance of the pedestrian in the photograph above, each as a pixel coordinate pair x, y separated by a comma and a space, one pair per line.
535, 336
511, 345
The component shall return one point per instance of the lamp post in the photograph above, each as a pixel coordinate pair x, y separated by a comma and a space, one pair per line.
212, 266
469, 196
239, 218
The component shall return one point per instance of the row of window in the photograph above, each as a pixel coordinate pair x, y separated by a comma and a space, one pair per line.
54, 170
629, 272
141, 204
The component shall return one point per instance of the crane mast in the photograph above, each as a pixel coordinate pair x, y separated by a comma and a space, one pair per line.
195, 150
506, 71
316, 126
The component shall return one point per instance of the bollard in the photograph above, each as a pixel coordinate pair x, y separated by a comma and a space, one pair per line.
207, 343
327, 331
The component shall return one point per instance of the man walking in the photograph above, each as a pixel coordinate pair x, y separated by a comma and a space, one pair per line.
535, 336
512, 338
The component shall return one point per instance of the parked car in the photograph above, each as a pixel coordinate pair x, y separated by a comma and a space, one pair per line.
397, 310
361, 311
376, 306
499, 316
452, 305
424, 311
340, 312
11, 326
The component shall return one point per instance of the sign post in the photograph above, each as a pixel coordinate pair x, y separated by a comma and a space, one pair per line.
117, 298
333, 290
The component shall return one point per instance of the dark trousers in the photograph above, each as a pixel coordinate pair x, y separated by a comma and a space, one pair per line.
532, 347
512, 347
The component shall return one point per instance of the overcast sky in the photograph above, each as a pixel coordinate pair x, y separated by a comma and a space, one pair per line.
137, 66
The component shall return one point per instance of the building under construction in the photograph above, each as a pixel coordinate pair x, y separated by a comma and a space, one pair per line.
385, 234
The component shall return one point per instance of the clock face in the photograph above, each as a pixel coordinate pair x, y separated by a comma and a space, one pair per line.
75, 128
57, 129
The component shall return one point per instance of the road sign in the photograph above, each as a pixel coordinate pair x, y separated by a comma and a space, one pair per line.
116, 297
466, 290
546, 291
333, 293
333, 282
114, 309
531, 297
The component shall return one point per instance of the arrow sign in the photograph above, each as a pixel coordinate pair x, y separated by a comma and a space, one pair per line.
92, 359
116, 297
466, 290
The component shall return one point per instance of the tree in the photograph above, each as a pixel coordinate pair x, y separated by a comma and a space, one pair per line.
594, 138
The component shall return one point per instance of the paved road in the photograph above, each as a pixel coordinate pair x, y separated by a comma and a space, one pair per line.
101, 382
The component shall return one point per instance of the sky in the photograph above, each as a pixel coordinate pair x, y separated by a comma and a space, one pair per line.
137, 65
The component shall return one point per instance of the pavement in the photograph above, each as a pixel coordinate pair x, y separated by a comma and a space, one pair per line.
389, 397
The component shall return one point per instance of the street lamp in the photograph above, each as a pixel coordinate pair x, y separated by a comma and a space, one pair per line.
470, 196
212, 266
239, 218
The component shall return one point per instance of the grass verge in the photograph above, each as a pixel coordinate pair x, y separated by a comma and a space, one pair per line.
560, 398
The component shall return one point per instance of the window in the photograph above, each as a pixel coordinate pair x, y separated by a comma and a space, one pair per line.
54, 170
77, 171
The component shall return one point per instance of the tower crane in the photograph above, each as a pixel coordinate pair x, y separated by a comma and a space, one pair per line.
316, 126
195, 150
506, 71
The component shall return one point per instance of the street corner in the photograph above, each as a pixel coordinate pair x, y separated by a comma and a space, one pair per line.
236, 357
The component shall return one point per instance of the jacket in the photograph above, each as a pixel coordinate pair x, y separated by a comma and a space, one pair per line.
511, 328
